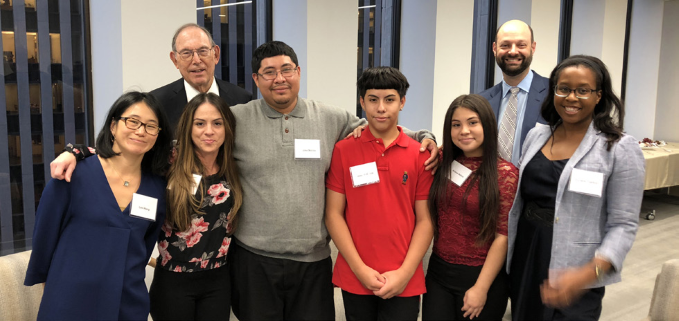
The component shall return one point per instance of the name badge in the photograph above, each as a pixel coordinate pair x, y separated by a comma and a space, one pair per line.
307, 149
196, 181
586, 182
144, 207
365, 174
459, 173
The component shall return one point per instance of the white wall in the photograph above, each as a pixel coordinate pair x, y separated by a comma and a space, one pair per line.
418, 45
325, 44
599, 31
146, 47
642, 68
545, 23
667, 113
140, 34
613, 41
332, 59
452, 61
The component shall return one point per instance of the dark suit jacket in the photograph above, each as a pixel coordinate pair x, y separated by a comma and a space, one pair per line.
173, 97
537, 93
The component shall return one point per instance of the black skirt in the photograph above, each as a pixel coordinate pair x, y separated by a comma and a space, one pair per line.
530, 262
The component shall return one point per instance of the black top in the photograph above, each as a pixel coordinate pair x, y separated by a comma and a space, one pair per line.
541, 179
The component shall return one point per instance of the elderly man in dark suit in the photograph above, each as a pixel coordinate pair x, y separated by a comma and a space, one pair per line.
195, 54
517, 99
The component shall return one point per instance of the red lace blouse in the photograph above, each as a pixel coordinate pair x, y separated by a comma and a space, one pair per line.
458, 228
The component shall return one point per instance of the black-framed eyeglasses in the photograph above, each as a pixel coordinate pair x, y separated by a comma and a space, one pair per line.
272, 74
580, 92
134, 124
188, 54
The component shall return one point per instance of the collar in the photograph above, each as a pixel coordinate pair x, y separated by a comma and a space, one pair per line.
524, 85
192, 92
298, 112
402, 139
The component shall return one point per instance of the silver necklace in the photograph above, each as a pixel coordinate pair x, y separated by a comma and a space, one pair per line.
126, 183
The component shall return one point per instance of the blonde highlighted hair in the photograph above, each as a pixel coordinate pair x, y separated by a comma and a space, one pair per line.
181, 202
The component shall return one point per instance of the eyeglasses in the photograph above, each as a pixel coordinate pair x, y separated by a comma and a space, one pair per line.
134, 124
188, 54
272, 74
580, 92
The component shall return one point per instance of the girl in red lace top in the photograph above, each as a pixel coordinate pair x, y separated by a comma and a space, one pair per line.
470, 198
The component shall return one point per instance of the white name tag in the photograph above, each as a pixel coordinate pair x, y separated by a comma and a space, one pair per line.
586, 182
365, 174
459, 173
144, 207
196, 181
307, 149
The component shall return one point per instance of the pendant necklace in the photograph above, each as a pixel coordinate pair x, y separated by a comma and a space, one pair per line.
126, 183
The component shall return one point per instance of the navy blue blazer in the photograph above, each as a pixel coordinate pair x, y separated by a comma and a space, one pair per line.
537, 93
91, 255
173, 97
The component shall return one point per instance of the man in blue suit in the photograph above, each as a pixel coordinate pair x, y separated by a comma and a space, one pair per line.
517, 99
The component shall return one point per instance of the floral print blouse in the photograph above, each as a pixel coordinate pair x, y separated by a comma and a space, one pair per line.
205, 244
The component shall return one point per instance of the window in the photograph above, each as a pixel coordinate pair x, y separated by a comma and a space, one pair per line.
237, 27
45, 103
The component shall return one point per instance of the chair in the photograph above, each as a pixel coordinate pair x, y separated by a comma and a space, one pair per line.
664, 303
17, 301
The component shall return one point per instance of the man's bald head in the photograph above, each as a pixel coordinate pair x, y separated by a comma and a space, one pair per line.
515, 25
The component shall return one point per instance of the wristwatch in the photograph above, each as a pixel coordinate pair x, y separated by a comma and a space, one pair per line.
599, 272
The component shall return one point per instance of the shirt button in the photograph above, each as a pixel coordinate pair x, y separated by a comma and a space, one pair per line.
286, 117
556, 220
382, 155
287, 131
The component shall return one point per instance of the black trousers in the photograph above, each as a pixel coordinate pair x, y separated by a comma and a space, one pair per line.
266, 288
371, 307
203, 295
446, 287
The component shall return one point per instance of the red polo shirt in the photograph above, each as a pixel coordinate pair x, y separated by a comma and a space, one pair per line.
381, 216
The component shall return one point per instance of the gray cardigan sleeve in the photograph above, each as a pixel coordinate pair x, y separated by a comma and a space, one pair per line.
624, 193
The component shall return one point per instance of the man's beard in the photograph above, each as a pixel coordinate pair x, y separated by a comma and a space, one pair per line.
514, 71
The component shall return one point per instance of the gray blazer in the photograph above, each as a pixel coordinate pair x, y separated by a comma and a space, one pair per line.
585, 226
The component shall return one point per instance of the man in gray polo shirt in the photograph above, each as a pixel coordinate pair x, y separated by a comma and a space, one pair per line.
279, 258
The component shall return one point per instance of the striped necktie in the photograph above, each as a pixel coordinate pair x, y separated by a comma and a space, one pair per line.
508, 127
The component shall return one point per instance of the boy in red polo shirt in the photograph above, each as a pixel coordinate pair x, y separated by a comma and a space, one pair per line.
376, 207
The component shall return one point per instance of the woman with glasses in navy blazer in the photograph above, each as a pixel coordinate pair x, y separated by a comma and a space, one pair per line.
576, 213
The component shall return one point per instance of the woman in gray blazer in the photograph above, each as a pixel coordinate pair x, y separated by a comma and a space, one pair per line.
576, 212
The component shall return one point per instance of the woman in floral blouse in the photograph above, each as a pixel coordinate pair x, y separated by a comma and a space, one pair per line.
191, 280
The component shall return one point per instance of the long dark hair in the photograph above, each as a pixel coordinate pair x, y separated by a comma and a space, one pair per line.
155, 160
609, 113
182, 204
485, 175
